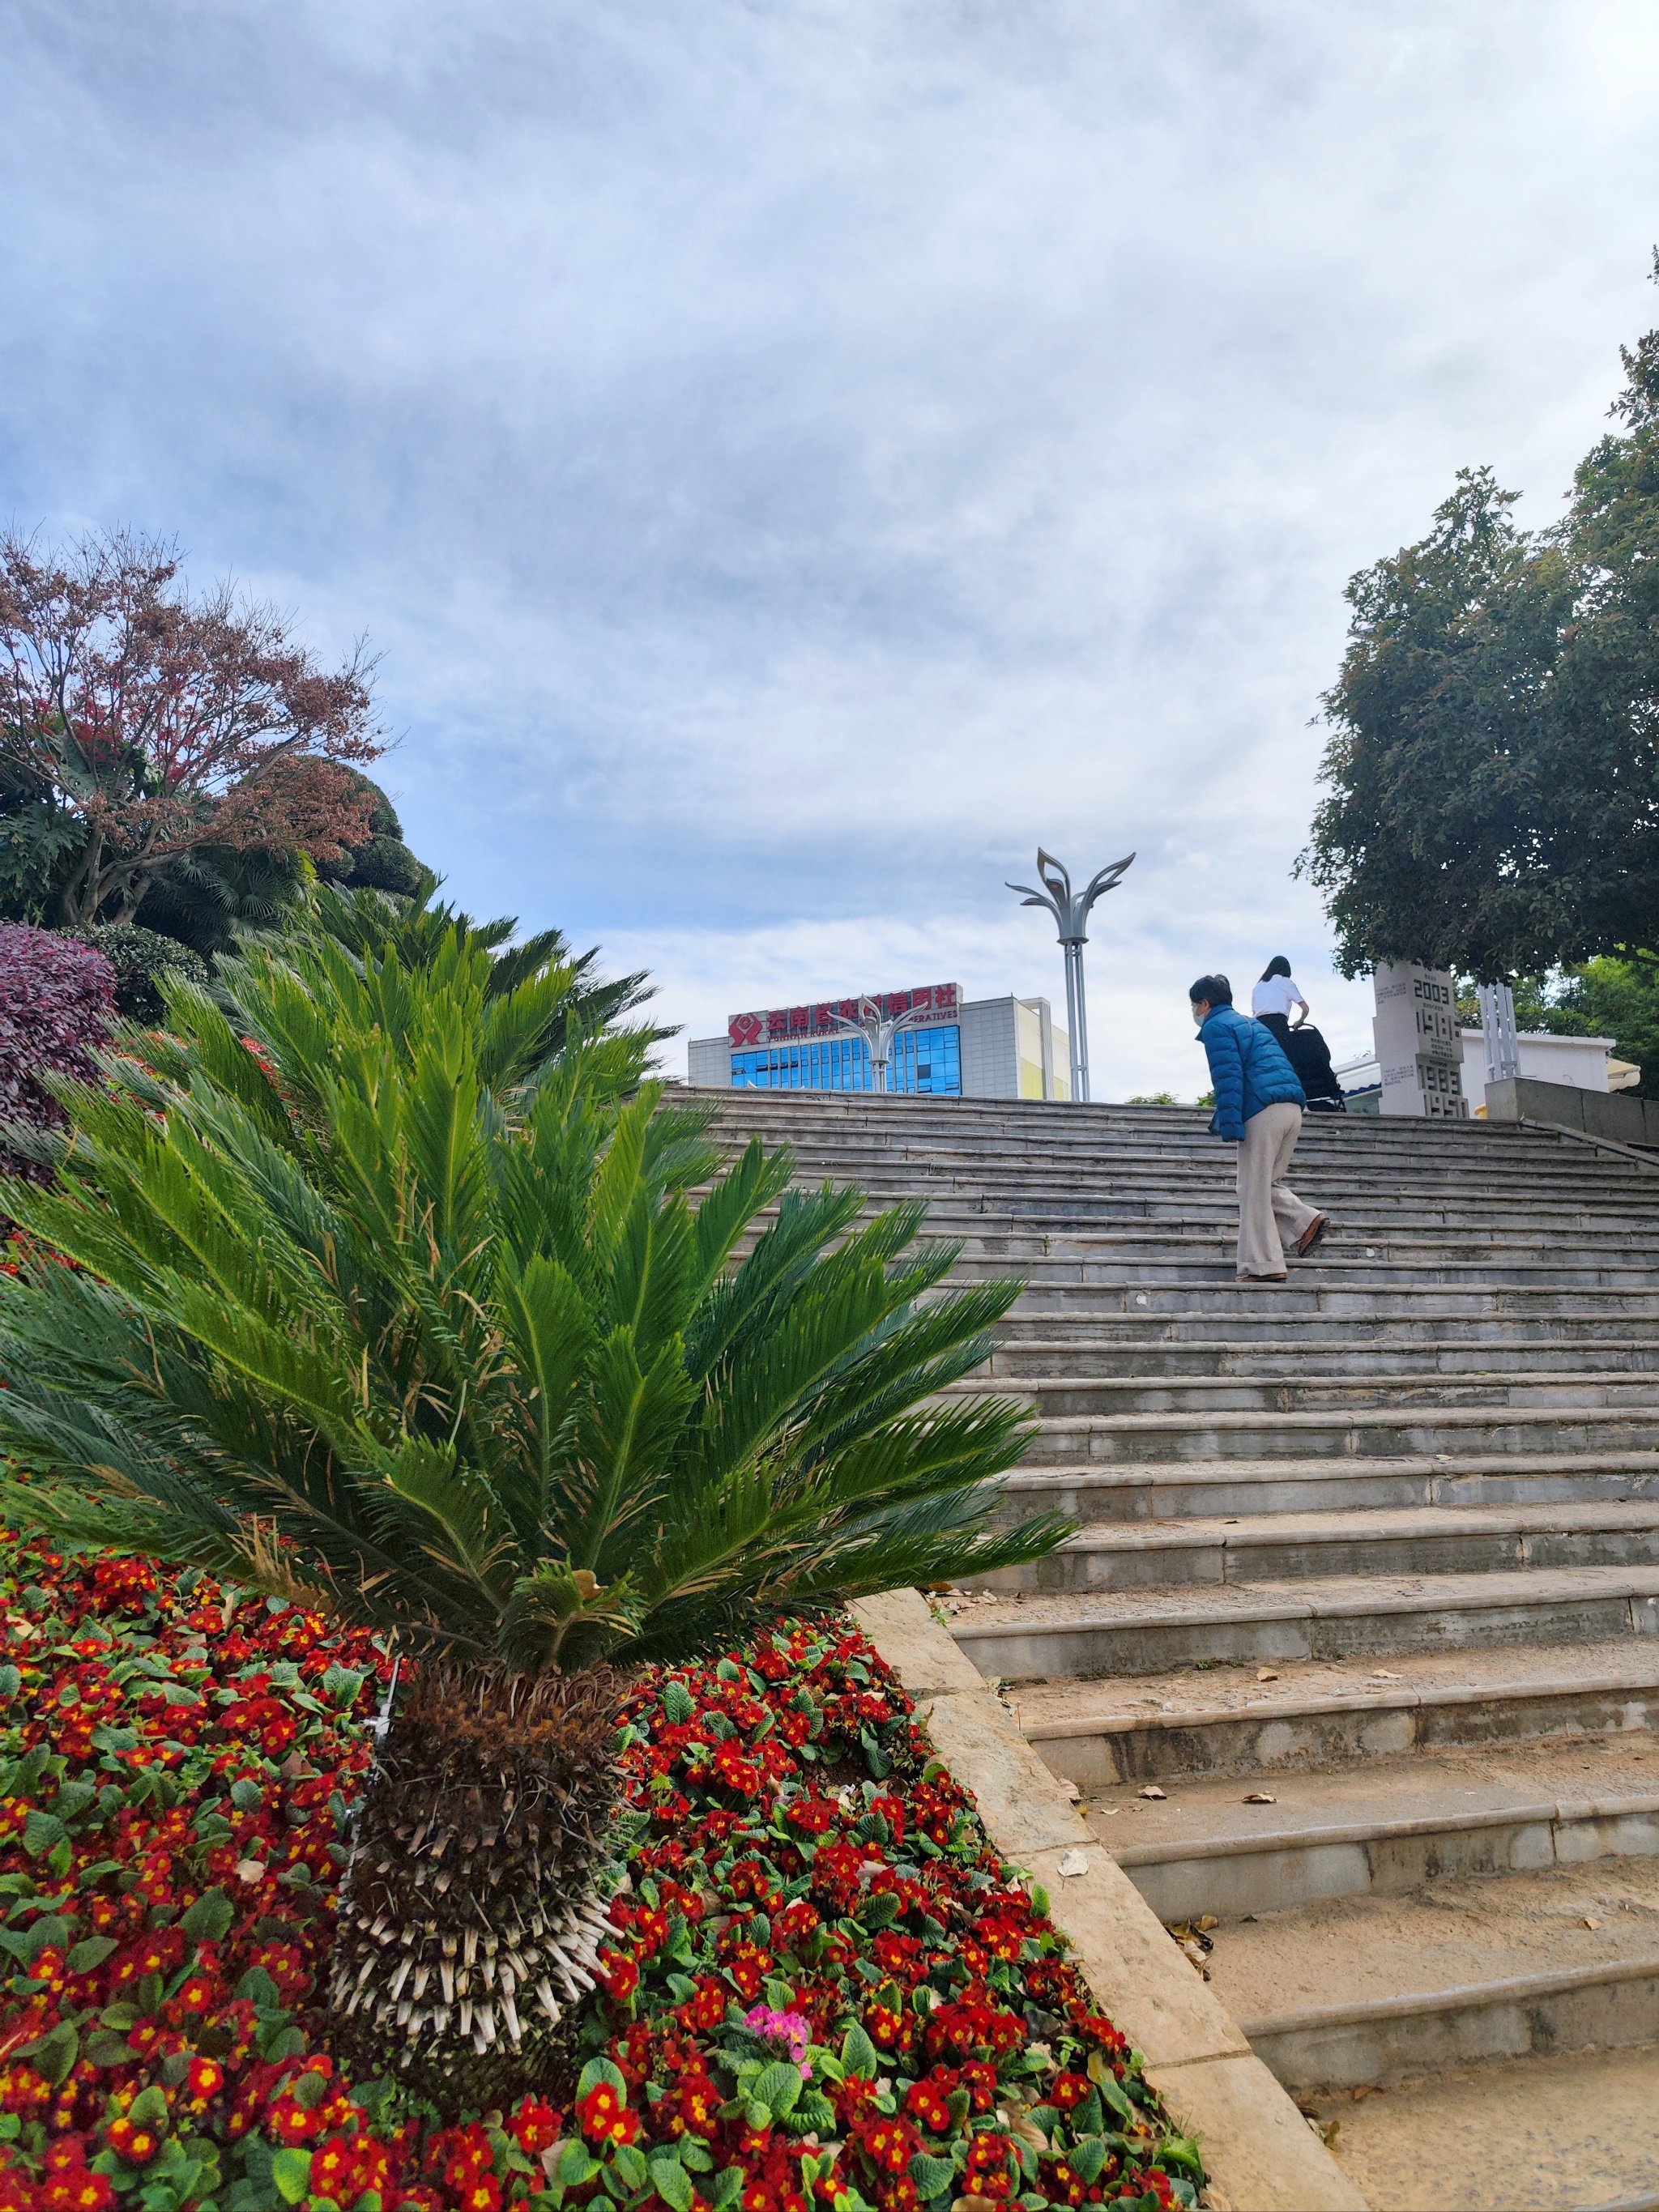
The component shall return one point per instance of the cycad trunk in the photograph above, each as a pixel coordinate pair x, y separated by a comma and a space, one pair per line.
470, 1917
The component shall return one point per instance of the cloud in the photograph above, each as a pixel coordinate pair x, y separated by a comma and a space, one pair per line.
795, 458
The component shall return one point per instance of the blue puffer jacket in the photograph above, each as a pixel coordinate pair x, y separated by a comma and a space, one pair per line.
1248, 1070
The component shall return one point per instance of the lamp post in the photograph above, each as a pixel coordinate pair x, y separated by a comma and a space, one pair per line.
878, 1030
1071, 911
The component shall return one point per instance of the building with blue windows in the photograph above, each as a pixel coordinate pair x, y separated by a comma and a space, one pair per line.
1006, 1047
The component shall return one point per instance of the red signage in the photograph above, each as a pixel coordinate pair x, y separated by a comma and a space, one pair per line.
933, 1002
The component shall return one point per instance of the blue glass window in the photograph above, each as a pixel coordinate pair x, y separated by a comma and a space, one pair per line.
927, 1060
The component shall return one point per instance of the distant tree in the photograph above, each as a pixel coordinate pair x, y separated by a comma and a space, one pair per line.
141, 726
1492, 774
381, 861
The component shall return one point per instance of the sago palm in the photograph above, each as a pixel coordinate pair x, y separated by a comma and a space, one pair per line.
381, 1309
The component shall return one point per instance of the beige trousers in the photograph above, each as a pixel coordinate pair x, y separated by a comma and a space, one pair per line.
1271, 1216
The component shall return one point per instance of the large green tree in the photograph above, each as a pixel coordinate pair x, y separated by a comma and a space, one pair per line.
1491, 778
400, 1314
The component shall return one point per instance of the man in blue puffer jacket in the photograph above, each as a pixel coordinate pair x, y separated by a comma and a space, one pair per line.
1258, 1106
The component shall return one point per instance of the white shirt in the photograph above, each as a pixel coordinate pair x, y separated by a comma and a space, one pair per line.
1277, 995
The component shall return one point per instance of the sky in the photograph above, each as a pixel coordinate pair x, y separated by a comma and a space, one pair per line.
795, 457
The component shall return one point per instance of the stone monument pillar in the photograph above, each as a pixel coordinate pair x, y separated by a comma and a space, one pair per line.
1420, 1044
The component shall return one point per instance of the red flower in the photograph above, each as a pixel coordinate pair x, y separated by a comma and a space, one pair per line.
603, 2117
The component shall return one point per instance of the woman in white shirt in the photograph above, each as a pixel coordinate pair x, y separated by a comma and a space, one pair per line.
1273, 997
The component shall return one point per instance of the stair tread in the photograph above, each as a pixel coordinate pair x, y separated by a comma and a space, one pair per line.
1575, 2128
1245, 1420
1136, 1473
1454, 1936
1356, 1525
1319, 1597
1185, 1698
1433, 1792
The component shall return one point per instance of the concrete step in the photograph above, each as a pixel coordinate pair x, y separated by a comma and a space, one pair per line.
1575, 2131
1250, 1717
1254, 1325
1340, 1616
1381, 1830
1428, 1539
1142, 1490
1361, 1431
1310, 1292
1083, 1356
1330, 1266
1310, 1389
1575, 1254
1365, 1990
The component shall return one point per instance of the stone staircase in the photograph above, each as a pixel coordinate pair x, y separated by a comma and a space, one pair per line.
1354, 1655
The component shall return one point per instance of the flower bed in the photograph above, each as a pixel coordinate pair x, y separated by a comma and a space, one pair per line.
824, 1987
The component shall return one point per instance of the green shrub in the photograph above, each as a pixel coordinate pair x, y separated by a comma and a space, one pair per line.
138, 958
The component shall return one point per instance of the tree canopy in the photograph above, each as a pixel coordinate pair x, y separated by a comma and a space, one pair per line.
1491, 777
143, 727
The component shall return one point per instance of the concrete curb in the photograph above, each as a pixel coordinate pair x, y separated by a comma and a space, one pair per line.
1260, 2152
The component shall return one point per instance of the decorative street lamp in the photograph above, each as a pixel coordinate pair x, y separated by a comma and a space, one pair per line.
878, 1030
1071, 911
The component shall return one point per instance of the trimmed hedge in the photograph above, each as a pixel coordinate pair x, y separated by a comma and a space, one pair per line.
138, 957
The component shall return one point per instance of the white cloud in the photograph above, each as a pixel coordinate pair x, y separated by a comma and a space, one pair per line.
797, 457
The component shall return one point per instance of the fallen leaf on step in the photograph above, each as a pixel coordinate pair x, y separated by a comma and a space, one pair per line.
1206, 1921
1365, 2089
1070, 1788
1074, 1863
1266, 1674
1260, 1797
1590, 1923
1153, 1791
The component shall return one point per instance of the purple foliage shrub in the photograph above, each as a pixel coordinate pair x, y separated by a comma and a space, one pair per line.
56, 997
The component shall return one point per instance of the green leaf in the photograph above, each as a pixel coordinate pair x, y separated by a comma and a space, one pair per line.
11, 1681
54, 2055
577, 2165
678, 1703
210, 1917
42, 1832
672, 2183
291, 2172
778, 2086
150, 2108
859, 2056
342, 1683
1086, 2158
933, 2176
90, 1952
728, 2187
600, 2071
630, 2165
246, 1795
105, 2047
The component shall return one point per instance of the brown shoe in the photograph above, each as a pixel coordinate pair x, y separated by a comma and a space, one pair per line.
1311, 1235
1264, 1279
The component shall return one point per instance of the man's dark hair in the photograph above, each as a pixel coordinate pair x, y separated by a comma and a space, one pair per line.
1279, 965
1216, 990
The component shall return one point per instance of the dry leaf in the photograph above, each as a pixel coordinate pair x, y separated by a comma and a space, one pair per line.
1260, 1797
1266, 1674
249, 1870
1074, 1863
1070, 1788
1153, 1791
1590, 1923
1207, 1921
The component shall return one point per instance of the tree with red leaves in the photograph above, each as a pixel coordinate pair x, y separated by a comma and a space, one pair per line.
139, 724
